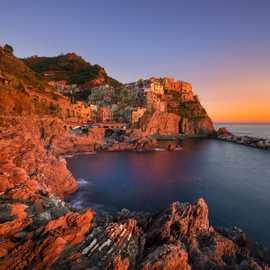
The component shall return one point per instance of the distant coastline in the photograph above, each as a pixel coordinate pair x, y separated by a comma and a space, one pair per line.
242, 123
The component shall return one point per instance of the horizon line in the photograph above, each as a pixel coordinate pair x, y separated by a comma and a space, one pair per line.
242, 122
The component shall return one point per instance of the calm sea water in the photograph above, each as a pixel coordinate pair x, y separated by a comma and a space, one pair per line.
233, 179
256, 130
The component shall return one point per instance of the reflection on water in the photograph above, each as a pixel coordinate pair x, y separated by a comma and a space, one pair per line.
234, 180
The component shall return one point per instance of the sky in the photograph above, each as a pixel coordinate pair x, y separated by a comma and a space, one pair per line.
221, 46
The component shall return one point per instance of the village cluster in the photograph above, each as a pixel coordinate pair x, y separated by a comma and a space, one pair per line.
128, 104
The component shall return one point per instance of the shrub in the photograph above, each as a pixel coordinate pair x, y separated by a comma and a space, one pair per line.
8, 48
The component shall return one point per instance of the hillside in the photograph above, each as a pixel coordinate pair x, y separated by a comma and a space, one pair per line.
69, 67
16, 71
24, 92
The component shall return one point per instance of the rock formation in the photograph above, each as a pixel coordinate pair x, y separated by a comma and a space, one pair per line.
47, 233
260, 143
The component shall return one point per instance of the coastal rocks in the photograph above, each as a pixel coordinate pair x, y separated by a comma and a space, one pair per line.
35, 238
110, 246
185, 228
47, 234
260, 143
171, 256
15, 219
30, 149
181, 221
223, 132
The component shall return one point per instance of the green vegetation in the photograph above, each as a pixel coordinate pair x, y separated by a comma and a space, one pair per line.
79, 96
9, 49
70, 67
192, 110
189, 109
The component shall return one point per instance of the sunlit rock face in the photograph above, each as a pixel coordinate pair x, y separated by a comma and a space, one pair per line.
163, 123
30, 149
171, 108
49, 235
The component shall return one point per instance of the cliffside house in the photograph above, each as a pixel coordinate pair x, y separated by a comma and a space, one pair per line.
155, 102
184, 88
154, 85
63, 87
81, 110
150, 85
175, 85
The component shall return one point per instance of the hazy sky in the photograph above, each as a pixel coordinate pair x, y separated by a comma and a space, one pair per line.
221, 46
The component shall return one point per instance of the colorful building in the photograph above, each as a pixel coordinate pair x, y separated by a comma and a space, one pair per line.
104, 114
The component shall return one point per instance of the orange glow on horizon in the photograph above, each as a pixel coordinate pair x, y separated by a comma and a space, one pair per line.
236, 92
240, 112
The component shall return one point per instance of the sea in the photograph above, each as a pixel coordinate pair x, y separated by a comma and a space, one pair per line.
233, 179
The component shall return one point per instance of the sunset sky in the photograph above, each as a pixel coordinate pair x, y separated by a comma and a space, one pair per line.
221, 46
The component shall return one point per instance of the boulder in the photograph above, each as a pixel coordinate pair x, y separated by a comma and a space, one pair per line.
223, 132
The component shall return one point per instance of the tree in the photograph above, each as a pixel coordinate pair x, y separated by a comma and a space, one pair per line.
9, 49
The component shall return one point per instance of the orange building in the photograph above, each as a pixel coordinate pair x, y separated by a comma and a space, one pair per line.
104, 114
172, 84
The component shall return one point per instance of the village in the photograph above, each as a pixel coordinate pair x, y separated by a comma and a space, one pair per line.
106, 104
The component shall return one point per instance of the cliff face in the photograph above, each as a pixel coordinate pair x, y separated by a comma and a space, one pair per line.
188, 118
194, 120
30, 148
162, 123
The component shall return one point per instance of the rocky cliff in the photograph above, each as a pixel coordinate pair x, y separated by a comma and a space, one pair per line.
188, 118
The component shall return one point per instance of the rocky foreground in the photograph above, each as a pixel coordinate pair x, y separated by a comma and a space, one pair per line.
48, 234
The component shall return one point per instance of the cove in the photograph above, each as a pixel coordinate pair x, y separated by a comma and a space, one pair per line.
233, 179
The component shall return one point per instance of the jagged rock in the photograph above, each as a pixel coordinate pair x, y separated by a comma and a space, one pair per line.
43, 247
17, 220
223, 132
181, 221
260, 143
116, 244
171, 256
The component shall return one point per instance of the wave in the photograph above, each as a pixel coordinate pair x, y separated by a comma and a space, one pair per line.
82, 182
78, 204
